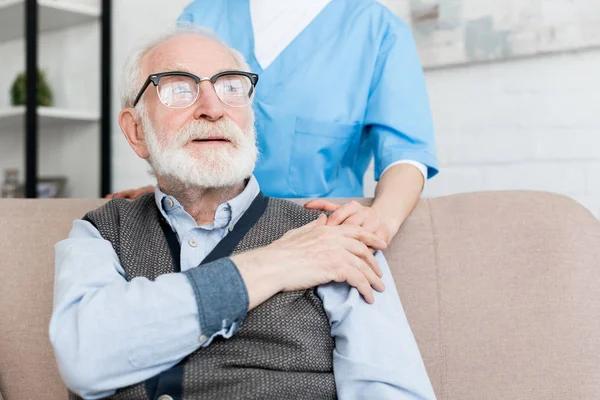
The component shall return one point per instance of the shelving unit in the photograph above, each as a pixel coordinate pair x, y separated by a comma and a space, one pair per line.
53, 15
28, 19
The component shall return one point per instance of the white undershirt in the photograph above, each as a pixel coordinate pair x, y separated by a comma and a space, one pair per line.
276, 23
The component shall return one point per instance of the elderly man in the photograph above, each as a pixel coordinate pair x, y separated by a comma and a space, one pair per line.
206, 288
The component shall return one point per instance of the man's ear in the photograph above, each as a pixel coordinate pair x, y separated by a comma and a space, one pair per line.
131, 126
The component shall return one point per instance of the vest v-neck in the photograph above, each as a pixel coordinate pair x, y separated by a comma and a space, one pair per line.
226, 246
321, 27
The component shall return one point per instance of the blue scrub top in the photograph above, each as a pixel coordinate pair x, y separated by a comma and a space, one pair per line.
348, 87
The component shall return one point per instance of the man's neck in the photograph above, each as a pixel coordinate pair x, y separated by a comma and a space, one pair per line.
200, 203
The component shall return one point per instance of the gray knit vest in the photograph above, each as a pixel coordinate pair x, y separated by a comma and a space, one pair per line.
284, 349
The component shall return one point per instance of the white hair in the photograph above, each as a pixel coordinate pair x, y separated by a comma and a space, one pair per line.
133, 79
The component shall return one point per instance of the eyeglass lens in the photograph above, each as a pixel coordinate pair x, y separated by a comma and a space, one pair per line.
182, 91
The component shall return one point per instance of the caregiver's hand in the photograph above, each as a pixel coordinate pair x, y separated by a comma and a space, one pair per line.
131, 193
356, 214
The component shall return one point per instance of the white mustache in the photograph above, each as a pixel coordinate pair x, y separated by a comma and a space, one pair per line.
202, 129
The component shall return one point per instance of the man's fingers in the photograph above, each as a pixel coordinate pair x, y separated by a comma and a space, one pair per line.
342, 213
356, 279
322, 205
370, 263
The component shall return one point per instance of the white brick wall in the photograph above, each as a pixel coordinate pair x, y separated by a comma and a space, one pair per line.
527, 124
530, 124
459, 31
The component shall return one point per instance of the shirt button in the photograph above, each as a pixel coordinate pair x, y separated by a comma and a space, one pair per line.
170, 204
203, 338
231, 228
192, 243
165, 397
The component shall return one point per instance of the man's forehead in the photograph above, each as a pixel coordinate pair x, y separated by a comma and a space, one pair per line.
182, 67
197, 55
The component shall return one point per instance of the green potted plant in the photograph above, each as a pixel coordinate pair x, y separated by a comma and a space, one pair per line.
19, 91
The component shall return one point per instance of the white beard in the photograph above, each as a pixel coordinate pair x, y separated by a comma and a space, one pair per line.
216, 168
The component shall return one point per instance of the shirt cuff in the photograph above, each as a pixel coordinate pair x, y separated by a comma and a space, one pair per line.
221, 296
421, 167
393, 156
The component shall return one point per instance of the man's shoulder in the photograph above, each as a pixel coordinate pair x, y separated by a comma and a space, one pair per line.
115, 209
290, 212
290, 206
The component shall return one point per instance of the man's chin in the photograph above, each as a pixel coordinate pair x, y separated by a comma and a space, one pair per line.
209, 172
202, 165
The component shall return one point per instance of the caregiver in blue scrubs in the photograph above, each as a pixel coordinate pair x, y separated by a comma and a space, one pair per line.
340, 83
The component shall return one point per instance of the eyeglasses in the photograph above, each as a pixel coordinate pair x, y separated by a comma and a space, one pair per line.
181, 89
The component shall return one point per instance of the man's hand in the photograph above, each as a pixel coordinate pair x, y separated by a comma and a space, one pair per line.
131, 193
313, 255
355, 214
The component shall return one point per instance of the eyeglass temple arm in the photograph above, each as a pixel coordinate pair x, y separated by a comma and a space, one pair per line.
142, 90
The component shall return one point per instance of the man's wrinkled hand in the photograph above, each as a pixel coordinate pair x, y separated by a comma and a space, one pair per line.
353, 213
340, 253
313, 255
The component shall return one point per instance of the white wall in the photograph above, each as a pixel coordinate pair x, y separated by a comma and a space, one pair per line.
531, 124
522, 124
528, 124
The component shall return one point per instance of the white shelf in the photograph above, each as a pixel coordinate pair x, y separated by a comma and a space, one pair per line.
53, 14
13, 119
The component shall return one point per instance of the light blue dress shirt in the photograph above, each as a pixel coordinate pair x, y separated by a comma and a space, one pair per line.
347, 89
108, 333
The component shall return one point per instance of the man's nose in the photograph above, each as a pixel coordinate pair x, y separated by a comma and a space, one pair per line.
208, 105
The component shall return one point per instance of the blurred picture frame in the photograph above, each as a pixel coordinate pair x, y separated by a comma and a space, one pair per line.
48, 188
51, 187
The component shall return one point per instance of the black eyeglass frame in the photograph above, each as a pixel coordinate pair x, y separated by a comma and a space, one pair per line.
155, 79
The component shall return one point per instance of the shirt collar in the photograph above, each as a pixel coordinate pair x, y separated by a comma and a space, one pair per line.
228, 213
